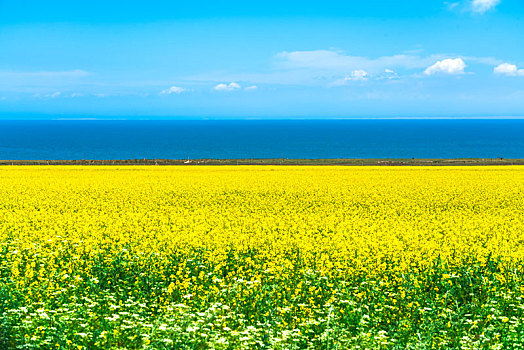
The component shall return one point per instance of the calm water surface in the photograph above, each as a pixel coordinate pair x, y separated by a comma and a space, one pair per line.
261, 139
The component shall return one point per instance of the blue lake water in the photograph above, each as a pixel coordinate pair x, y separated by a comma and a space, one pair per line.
71, 139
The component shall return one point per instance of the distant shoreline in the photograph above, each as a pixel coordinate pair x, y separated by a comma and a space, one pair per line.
277, 161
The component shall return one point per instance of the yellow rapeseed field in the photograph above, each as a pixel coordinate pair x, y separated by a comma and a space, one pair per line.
268, 257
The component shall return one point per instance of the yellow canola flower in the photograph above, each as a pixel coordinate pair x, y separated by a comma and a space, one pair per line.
281, 243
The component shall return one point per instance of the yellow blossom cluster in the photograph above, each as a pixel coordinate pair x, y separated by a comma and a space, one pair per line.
277, 257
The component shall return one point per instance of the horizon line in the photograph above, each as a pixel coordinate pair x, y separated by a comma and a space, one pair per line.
180, 118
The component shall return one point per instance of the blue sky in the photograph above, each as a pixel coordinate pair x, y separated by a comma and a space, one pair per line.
261, 59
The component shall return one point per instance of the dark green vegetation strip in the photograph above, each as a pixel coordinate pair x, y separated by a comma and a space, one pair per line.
275, 161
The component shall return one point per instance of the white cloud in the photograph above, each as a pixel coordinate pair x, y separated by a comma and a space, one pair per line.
338, 61
474, 6
50, 95
227, 87
447, 66
508, 69
251, 88
452, 5
174, 90
482, 6
390, 74
331, 67
358, 74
